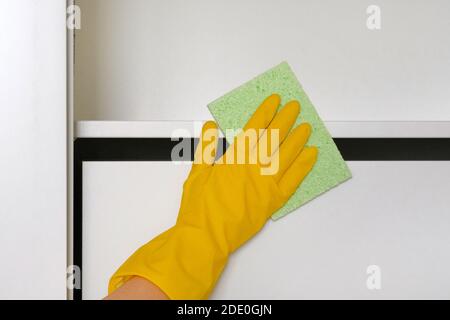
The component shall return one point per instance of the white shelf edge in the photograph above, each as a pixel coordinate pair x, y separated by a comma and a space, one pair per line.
338, 129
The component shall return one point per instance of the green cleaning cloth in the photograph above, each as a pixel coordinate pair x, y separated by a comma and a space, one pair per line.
233, 110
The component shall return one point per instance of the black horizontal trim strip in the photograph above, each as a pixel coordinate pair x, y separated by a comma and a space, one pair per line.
352, 149
394, 149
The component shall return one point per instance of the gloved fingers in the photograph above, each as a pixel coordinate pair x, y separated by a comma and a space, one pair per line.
262, 117
291, 148
298, 170
278, 129
205, 152
245, 142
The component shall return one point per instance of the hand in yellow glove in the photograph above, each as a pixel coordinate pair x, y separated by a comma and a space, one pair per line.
224, 204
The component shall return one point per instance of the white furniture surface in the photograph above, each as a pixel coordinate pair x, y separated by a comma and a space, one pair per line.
338, 129
390, 214
140, 60
393, 215
165, 60
33, 159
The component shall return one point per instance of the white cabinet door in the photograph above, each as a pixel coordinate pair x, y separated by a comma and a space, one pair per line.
33, 144
392, 215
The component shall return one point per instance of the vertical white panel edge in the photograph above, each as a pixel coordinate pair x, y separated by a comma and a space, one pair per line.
70, 140
33, 162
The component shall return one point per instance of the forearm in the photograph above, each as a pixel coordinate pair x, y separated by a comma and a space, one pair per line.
137, 288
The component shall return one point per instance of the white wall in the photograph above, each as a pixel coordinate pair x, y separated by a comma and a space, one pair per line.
33, 149
165, 60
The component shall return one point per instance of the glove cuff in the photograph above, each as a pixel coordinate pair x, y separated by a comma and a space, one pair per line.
184, 262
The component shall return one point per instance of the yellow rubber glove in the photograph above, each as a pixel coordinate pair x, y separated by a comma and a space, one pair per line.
223, 205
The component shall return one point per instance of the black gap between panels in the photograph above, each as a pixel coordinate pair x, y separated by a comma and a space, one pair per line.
352, 149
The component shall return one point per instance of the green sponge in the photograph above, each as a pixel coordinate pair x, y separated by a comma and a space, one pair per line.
233, 110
